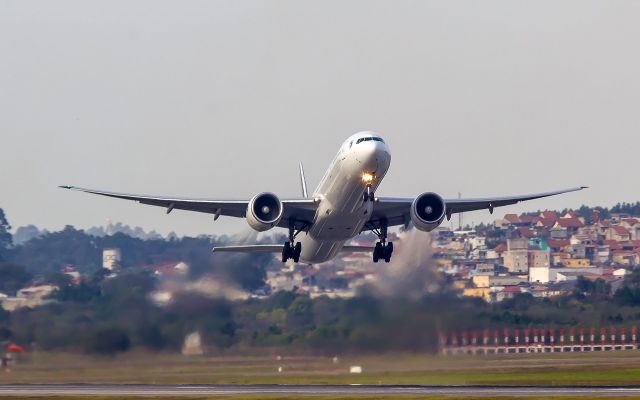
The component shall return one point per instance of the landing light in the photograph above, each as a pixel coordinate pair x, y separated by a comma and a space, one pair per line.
367, 178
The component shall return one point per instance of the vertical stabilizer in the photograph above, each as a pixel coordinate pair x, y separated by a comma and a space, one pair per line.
303, 182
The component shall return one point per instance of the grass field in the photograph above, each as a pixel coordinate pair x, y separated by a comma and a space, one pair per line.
323, 398
328, 398
590, 369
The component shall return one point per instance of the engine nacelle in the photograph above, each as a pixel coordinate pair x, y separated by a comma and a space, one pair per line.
264, 211
427, 211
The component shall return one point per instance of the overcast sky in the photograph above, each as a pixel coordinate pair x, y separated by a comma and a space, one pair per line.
221, 99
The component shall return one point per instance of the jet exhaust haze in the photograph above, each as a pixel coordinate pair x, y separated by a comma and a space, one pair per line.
412, 271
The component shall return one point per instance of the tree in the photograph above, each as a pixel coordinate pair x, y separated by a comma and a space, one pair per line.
109, 341
6, 240
13, 277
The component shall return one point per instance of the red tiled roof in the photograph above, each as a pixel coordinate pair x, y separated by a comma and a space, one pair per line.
546, 222
526, 233
512, 218
558, 243
528, 219
570, 223
630, 221
501, 248
620, 230
613, 244
549, 215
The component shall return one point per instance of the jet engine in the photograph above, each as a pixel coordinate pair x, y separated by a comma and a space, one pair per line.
427, 211
264, 211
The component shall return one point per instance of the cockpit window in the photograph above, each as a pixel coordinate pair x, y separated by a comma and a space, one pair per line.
365, 139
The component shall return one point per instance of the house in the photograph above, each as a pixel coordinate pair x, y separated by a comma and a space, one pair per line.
528, 220
171, 269
512, 219
558, 244
33, 296
625, 257
571, 225
481, 292
525, 232
618, 233
508, 292
576, 263
549, 215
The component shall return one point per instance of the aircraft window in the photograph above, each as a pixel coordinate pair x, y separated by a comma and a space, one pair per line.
365, 139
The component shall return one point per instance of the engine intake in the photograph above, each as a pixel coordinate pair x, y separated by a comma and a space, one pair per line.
428, 211
264, 211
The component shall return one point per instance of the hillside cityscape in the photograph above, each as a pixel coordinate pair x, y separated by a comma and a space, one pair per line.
105, 290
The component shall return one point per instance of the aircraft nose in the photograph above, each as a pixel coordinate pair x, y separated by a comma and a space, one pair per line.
373, 156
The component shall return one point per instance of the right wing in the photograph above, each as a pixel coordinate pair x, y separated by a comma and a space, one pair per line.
297, 211
396, 211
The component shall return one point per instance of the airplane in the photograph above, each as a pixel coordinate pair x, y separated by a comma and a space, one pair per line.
343, 206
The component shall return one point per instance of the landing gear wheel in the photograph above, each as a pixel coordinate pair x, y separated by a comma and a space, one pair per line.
368, 195
377, 252
388, 250
296, 252
286, 252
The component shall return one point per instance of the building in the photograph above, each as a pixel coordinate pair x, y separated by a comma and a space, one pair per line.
111, 259
31, 297
516, 258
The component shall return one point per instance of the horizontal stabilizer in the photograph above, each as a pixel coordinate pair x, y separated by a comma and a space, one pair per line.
277, 248
256, 248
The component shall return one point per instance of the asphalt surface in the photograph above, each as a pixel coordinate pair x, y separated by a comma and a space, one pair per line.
304, 390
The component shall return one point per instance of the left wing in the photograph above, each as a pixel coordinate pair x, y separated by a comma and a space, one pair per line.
297, 211
396, 211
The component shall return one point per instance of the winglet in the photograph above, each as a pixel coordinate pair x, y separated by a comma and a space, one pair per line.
65, 187
303, 182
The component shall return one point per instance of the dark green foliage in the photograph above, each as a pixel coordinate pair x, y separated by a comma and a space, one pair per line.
6, 240
82, 293
13, 277
597, 289
109, 341
49, 252
4, 315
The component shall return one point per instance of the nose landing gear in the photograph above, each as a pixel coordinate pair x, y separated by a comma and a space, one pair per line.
368, 195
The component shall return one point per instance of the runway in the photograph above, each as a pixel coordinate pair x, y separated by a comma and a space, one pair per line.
304, 390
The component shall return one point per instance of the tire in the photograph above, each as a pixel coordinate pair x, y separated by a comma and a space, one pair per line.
388, 250
377, 252
296, 252
286, 252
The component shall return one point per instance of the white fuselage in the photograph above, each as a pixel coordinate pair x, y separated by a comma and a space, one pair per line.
342, 213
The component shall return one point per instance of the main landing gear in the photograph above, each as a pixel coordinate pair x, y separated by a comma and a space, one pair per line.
383, 249
289, 250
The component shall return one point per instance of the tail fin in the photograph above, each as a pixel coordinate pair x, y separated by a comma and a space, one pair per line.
303, 182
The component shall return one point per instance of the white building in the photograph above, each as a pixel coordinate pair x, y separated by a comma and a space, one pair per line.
111, 259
